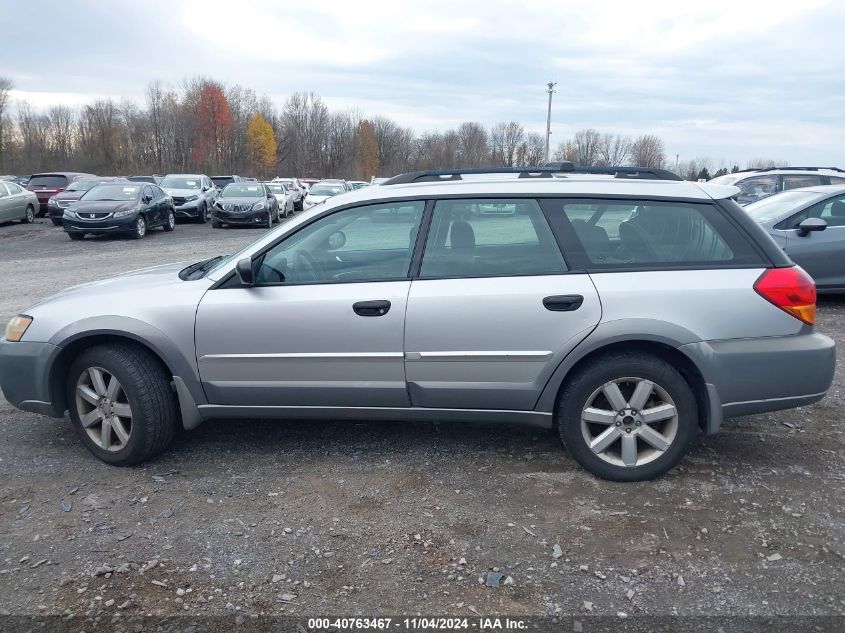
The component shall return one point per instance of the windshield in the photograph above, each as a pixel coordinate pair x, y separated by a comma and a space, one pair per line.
773, 207
276, 187
240, 190
149, 179
325, 190
48, 180
222, 181
180, 182
112, 192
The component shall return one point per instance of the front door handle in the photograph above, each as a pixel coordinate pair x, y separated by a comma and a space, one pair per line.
371, 308
563, 303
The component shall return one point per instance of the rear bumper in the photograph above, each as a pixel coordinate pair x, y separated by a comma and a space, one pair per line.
747, 376
24, 376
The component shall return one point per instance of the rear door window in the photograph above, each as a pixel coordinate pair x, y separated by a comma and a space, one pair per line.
619, 234
794, 182
490, 238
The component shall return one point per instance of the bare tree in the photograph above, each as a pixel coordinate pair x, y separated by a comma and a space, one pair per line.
472, 144
587, 147
765, 163
613, 149
648, 151
5, 91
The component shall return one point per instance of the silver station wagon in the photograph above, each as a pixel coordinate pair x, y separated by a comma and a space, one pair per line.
625, 308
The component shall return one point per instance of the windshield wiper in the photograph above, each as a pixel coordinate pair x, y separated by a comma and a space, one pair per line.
201, 267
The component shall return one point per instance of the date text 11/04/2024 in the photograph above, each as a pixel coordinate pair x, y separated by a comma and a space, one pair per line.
417, 623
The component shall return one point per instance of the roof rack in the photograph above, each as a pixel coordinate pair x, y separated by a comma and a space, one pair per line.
758, 169
546, 171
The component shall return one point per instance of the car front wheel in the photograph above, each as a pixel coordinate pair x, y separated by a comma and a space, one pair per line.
121, 403
139, 229
627, 416
29, 215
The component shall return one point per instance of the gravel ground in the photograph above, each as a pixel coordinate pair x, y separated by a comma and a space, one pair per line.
244, 518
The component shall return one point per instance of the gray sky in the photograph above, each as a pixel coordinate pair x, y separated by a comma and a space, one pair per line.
729, 79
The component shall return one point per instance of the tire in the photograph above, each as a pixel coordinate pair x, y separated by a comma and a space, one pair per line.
215, 223
270, 219
29, 216
140, 228
144, 390
76, 236
297, 206
202, 216
674, 433
170, 222
56, 221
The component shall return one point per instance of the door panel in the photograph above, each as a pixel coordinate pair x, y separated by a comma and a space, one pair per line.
303, 345
491, 343
7, 211
820, 253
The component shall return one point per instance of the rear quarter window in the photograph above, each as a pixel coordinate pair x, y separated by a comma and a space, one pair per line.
644, 234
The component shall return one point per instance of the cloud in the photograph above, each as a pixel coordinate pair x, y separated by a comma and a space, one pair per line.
738, 79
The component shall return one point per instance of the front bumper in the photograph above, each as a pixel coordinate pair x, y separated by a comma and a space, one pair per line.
250, 217
188, 210
125, 224
756, 375
24, 376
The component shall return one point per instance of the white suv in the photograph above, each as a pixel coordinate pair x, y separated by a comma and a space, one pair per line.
755, 184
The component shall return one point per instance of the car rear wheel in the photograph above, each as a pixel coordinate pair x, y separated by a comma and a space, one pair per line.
170, 222
121, 403
29, 215
139, 228
627, 416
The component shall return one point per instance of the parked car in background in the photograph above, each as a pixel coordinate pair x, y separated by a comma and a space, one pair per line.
153, 180
284, 194
309, 182
17, 203
245, 204
57, 204
221, 181
809, 224
378, 181
299, 190
250, 180
756, 184
358, 184
193, 195
626, 315
322, 191
129, 208
47, 185
8, 177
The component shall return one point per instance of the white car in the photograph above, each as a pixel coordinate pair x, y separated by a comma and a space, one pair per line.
755, 184
284, 196
323, 190
298, 188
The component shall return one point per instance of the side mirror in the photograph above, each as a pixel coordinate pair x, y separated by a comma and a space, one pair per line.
811, 224
245, 272
146, 199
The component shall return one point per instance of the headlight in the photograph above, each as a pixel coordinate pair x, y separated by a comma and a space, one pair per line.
52, 200
69, 213
17, 326
124, 213
191, 198
258, 206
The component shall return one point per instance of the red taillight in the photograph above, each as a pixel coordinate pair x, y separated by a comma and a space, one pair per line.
790, 289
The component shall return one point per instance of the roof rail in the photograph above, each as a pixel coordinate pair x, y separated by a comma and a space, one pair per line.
793, 168
546, 171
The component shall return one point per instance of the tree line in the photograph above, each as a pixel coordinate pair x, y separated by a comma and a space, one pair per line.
208, 127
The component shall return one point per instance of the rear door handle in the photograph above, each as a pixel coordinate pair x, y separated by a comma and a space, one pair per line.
563, 303
371, 308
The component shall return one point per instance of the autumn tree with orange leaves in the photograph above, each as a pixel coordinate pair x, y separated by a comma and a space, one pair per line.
213, 128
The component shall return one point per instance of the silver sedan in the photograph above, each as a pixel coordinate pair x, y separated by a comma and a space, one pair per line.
17, 203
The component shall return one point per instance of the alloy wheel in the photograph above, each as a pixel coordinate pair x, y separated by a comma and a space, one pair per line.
103, 409
140, 226
30, 215
629, 421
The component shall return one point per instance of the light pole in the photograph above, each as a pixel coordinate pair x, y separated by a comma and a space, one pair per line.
551, 88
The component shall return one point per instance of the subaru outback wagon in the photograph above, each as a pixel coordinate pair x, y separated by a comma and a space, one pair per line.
629, 312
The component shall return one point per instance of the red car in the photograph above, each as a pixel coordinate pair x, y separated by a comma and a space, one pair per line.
47, 185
